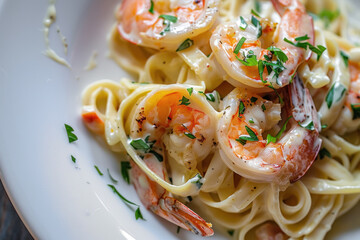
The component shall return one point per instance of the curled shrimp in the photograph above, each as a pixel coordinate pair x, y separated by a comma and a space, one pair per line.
175, 119
349, 118
162, 24
246, 120
173, 122
159, 201
237, 42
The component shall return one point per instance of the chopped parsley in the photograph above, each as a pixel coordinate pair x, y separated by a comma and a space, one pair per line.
251, 120
98, 170
253, 99
190, 90
356, 110
127, 202
252, 136
188, 134
168, 19
71, 136
125, 167
310, 126
278, 135
257, 24
73, 159
151, 9
345, 57
209, 96
277, 93
336, 93
111, 177
302, 42
263, 107
241, 108
157, 155
324, 152
253, 12
139, 144
243, 23
184, 101
198, 182
239, 45
186, 44
249, 60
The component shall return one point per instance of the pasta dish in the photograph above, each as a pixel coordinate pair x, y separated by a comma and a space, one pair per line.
249, 109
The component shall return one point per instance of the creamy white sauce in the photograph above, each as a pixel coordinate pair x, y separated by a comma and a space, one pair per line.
92, 61
50, 18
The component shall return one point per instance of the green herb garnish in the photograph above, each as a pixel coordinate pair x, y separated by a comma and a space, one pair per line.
137, 211
190, 90
263, 107
310, 126
111, 177
139, 144
125, 167
188, 134
252, 136
324, 152
253, 12
345, 57
198, 182
243, 23
73, 159
356, 110
151, 9
186, 44
98, 170
257, 24
184, 101
239, 45
71, 136
301, 42
168, 19
278, 135
335, 93
328, 16
241, 108
253, 99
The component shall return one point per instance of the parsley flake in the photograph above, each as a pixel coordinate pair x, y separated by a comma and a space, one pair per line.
241, 108
98, 170
186, 44
71, 136
356, 110
198, 181
324, 152
139, 144
151, 9
278, 135
257, 24
243, 24
345, 57
73, 159
137, 211
184, 101
168, 19
111, 177
190, 90
336, 93
239, 45
310, 126
125, 167
252, 136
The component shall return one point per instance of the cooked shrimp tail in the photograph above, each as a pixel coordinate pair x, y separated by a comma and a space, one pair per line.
157, 199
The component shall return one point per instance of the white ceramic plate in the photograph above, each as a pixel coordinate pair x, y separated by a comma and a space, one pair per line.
56, 198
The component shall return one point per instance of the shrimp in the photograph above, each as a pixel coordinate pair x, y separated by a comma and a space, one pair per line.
284, 158
270, 231
159, 201
239, 46
349, 118
173, 118
164, 24
175, 122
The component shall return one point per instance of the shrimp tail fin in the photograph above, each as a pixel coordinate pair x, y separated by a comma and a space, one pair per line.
178, 213
304, 110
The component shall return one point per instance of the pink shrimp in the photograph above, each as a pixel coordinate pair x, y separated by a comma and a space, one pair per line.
283, 160
159, 201
263, 40
164, 24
